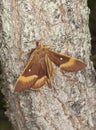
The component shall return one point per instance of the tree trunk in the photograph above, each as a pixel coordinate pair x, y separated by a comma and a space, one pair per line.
63, 25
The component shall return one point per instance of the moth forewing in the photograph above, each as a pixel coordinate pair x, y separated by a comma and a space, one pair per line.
57, 58
66, 63
24, 83
73, 65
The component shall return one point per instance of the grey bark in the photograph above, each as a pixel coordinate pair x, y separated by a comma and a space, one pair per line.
62, 24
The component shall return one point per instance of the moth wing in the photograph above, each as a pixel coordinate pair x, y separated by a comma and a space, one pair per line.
66, 63
39, 83
33, 76
28, 76
42, 74
24, 83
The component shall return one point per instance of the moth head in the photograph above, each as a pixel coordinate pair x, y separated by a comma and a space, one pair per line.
39, 45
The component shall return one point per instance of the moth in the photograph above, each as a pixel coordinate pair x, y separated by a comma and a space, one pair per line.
39, 69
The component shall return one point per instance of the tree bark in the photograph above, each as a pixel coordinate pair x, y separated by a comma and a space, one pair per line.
62, 24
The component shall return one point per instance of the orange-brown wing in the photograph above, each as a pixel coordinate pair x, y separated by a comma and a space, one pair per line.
66, 63
42, 75
33, 76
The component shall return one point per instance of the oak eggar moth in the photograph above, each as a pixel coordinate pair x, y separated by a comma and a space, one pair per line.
39, 69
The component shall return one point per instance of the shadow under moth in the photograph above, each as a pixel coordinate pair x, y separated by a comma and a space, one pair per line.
39, 69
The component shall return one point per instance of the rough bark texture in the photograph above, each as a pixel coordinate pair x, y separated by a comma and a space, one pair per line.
62, 24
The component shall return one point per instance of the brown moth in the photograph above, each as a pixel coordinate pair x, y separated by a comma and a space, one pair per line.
39, 69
